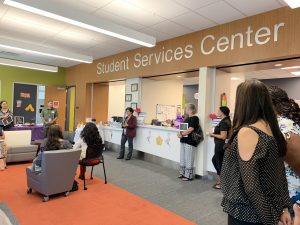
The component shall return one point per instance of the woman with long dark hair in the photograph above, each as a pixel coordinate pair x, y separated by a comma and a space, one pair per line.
253, 177
90, 143
288, 114
54, 141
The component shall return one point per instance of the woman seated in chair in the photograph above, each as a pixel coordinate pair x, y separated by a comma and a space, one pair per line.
90, 143
54, 141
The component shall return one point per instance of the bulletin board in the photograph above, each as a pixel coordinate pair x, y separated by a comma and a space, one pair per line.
24, 102
165, 112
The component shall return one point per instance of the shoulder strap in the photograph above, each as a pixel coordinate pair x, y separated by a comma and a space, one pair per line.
257, 130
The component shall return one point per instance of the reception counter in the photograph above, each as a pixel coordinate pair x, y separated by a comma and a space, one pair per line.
154, 140
159, 142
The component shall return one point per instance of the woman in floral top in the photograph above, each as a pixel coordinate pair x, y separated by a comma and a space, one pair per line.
289, 122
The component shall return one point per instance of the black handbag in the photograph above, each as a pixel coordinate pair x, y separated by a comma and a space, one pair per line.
197, 135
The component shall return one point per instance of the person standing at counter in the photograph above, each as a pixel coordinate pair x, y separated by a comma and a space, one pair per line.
220, 136
129, 132
49, 116
188, 145
6, 116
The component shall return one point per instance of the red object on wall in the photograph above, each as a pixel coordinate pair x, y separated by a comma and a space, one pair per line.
212, 116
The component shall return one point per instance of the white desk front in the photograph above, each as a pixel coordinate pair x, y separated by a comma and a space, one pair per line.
159, 141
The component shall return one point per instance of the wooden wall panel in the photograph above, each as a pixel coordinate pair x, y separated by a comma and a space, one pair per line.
100, 103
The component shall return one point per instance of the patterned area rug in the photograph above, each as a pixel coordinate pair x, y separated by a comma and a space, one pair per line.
6, 216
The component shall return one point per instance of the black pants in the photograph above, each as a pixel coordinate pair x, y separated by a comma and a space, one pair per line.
130, 146
233, 221
46, 131
218, 157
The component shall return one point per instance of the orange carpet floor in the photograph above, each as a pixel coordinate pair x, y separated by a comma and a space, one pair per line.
101, 204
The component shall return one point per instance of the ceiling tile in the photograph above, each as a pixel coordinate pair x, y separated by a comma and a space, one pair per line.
220, 12
82, 6
164, 8
18, 19
3, 10
254, 7
195, 4
132, 12
282, 2
193, 21
81, 35
171, 28
95, 3
119, 19
160, 36
20, 34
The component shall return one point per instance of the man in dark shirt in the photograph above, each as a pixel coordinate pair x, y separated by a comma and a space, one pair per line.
49, 116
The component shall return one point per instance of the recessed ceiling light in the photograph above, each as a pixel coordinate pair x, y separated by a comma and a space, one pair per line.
296, 73
277, 65
290, 68
79, 19
27, 65
179, 76
293, 3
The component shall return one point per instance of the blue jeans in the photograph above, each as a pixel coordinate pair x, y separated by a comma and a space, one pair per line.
130, 146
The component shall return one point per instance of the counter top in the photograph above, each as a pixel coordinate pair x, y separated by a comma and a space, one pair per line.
146, 126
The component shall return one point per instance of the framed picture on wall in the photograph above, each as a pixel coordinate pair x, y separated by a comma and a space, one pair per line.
134, 105
134, 87
128, 97
56, 104
223, 99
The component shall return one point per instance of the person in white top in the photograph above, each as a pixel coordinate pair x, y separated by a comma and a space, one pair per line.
90, 142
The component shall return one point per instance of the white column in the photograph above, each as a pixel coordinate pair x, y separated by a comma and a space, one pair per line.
205, 107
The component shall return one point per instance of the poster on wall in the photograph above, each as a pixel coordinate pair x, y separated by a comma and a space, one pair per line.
223, 99
56, 104
165, 112
24, 102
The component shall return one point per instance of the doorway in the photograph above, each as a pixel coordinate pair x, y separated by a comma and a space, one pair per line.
70, 108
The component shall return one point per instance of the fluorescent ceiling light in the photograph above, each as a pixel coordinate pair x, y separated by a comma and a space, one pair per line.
235, 78
291, 68
25, 47
296, 73
27, 65
293, 3
55, 11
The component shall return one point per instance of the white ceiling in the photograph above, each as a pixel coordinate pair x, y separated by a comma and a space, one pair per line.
162, 19
269, 74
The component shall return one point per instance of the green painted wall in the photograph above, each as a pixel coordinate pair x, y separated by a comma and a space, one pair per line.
9, 75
